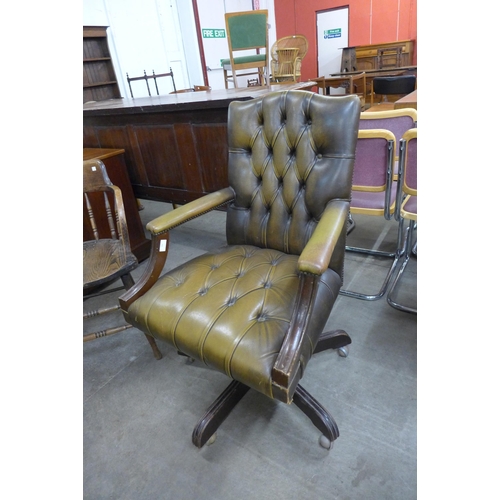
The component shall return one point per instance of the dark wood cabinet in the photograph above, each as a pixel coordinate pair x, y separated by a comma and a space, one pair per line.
99, 79
175, 145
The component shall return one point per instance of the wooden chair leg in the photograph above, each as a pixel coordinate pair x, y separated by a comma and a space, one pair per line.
105, 333
99, 312
318, 415
152, 342
128, 281
218, 412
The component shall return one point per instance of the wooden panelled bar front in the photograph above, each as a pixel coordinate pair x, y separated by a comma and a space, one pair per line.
175, 145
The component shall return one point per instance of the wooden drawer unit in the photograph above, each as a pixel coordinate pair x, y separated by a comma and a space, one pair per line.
384, 55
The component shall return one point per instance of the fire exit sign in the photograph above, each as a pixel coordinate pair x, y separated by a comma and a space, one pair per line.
213, 33
334, 33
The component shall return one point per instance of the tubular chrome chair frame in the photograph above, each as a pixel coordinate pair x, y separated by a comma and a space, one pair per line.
374, 198
406, 210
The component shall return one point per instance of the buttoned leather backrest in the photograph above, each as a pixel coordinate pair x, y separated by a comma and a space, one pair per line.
290, 154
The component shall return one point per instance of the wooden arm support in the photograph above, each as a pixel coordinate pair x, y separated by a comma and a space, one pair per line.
285, 373
159, 228
312, 263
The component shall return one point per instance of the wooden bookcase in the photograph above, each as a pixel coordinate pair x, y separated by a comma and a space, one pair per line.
99, 80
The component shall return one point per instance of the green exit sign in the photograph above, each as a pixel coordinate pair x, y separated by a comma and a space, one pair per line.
333, 33
213, 33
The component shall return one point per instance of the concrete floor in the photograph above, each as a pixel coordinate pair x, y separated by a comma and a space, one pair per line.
139, 412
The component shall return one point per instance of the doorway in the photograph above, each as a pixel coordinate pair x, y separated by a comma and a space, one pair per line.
332, 32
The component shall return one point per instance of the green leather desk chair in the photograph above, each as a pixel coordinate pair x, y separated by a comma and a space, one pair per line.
255, 309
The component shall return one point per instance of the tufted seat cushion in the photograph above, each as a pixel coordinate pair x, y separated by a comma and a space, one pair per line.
231, 310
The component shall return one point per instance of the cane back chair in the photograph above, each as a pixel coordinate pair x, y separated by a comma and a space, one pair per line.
255, 309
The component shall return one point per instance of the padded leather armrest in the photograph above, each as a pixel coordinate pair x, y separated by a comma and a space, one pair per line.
316, 255
189, 211
159, 245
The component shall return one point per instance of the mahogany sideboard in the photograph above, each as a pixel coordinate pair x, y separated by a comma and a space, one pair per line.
175, 145
114, 160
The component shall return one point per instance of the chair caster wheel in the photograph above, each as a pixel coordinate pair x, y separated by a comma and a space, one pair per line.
211, 439
324, 442
343, 351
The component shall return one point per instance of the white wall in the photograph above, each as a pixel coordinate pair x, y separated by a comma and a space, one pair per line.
159, 34
145, 35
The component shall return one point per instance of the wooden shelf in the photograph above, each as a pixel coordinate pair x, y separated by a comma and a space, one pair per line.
96, 84
99, 79
96, 59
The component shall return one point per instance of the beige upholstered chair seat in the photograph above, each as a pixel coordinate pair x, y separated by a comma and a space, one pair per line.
231, 311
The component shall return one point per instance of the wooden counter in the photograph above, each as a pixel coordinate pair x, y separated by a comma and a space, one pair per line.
175, 145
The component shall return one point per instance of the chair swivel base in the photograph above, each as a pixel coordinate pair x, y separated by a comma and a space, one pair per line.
220, 409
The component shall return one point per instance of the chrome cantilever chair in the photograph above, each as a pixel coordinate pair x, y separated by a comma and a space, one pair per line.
107, 258
255, 309
374, 194
366, 200
406, 211
248, 43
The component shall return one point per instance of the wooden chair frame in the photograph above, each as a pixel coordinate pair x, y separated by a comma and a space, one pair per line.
249, 40
108, 257
153, 77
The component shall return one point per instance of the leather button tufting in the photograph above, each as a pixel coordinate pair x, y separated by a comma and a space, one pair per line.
319, 156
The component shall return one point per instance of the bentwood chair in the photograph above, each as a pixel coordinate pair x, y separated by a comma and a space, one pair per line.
247, 38
107, 257
374, 194
254, 310
406, 212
